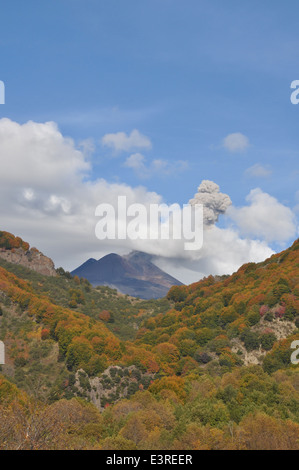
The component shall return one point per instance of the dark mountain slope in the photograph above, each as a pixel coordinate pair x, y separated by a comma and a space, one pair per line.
133, 274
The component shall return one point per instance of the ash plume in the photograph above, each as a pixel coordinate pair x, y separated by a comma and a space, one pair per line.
214, 202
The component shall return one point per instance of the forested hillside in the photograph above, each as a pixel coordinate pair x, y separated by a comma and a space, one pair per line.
209, 368
240, 319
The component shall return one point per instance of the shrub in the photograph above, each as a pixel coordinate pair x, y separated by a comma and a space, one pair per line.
267, 341
45, 333
177, 294
20, 361
250, 339
253, 318
202, 357
269, 317
263, 310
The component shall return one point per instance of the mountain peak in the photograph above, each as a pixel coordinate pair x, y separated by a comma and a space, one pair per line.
133, 274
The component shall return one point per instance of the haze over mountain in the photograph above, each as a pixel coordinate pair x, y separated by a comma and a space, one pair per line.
133, 274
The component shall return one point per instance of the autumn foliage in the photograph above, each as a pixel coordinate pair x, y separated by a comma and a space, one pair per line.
212, 372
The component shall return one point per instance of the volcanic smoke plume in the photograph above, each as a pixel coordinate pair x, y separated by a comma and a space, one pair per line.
214, 202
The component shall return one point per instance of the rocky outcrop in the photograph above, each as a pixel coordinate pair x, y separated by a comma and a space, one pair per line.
280, 327
113, 384
32, 259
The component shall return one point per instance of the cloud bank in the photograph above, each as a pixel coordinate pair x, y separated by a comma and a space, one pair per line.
265, 218
158, 167
48, 198
121, 142
258, 171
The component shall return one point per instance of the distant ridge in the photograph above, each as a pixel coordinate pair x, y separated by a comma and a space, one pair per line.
133, 274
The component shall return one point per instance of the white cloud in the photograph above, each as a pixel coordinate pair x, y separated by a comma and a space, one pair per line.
223, 252
236, 142
28, 194
47, 199
45, 196
264, 218
157, 167
38, 155
164, 167
258, 171
136, 161
121, 142
87, 146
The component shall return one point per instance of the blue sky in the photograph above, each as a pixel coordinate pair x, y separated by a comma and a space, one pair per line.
184, 74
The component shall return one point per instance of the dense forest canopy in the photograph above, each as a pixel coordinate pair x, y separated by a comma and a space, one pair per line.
207, 368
